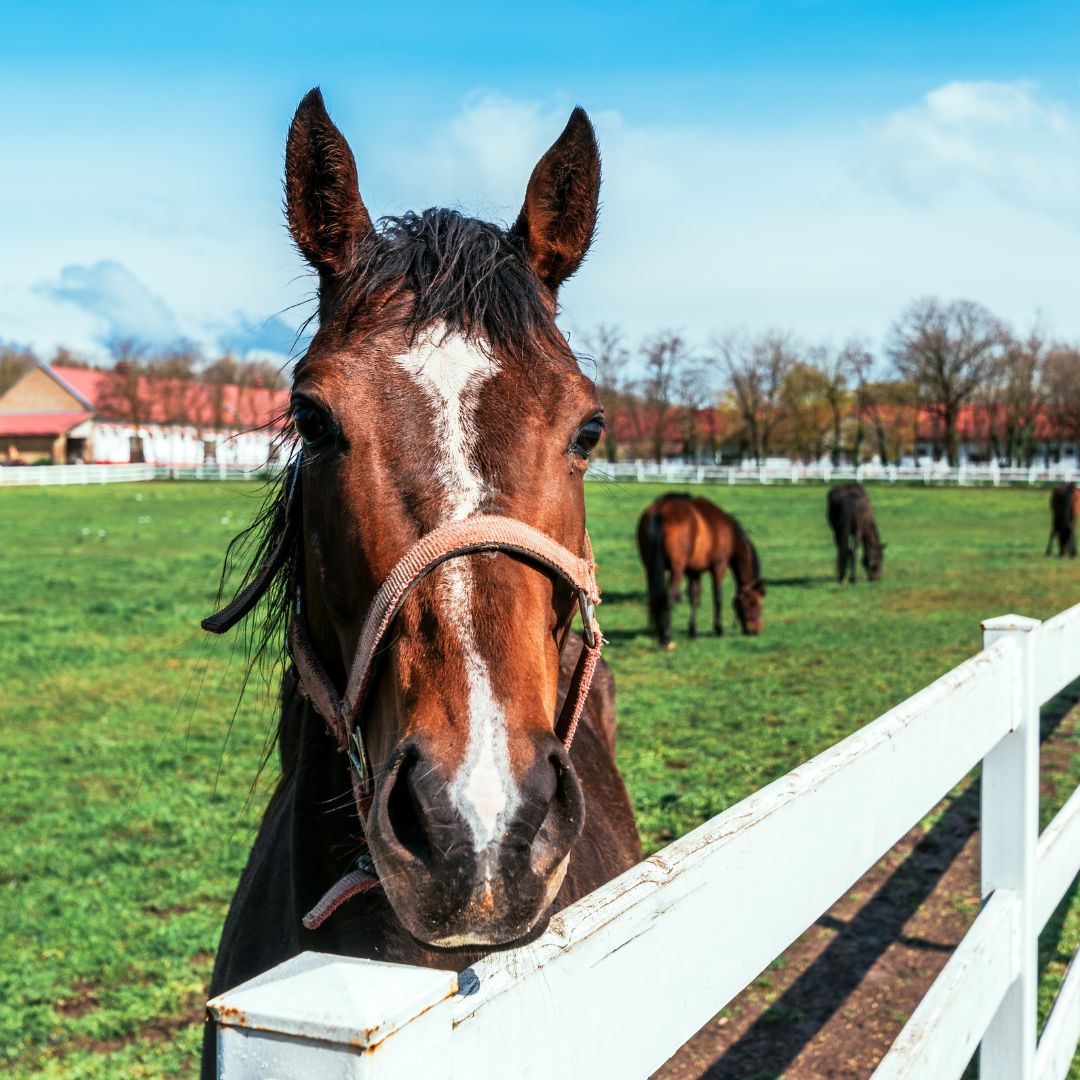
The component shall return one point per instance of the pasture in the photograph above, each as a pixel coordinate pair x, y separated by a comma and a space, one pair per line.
127, 801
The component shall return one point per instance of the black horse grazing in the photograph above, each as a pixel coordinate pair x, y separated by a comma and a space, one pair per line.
442, 433
852, 522
1064, 507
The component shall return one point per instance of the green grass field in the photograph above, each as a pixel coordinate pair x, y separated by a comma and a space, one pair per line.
127, 769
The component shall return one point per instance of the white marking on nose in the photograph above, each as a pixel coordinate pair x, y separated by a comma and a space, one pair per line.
451, 371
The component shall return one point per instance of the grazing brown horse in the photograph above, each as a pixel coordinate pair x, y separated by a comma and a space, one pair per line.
1064, 508
680, 535
852, 520
438, 497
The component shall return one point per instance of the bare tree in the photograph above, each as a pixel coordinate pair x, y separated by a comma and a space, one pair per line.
15, 362
611, 359
694, 395
890, 408
946, 351
1013, 397
124, 393
756, 369
665, 355
172, 383
837, 368
64, 357
807, 416
1061, 387
225, 371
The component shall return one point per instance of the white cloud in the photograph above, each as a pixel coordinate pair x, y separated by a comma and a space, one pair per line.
124, 306
1005, 138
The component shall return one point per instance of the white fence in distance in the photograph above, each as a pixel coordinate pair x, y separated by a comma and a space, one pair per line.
621, 979
779, 471
772, 472
51, 475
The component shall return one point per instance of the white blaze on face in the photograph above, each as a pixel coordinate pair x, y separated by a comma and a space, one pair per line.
451, 373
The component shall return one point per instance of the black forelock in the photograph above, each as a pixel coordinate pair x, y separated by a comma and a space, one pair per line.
472, 275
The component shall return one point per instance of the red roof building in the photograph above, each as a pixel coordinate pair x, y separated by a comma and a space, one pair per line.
83, 414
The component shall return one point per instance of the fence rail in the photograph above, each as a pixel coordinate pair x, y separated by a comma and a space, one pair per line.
773, 472
793, 472
50, 475
662, 948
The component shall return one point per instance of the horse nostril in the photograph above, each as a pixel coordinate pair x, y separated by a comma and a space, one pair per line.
403, 813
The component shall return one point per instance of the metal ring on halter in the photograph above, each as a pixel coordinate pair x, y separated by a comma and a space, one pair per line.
588, 618
358, 757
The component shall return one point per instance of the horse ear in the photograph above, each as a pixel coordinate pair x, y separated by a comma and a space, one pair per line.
558, 218
326, 215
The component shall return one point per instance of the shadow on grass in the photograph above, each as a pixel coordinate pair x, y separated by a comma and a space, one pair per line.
780, 1033
798, 582
625, 596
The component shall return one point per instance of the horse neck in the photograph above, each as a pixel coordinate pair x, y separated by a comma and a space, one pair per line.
323, 815
871, 539
743, 561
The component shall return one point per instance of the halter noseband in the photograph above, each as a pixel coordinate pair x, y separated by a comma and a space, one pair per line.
343, 712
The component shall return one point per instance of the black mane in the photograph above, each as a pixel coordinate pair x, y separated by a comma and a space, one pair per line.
740, 532
472, 275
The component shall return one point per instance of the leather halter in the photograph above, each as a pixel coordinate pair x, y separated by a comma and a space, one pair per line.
487, 533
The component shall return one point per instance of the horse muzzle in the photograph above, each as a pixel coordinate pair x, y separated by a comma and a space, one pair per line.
454, 881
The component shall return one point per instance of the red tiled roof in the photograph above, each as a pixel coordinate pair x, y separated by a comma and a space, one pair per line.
974, 423
39, 423
175, 400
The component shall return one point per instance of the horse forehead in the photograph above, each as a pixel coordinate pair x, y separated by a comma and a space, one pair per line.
448, 365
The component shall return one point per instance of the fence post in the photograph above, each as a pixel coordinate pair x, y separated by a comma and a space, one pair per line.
1009, 834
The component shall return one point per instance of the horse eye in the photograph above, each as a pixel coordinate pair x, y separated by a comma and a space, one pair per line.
312, 424
588, 437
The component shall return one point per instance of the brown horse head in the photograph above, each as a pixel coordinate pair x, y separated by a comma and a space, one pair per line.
749, 602
436, 388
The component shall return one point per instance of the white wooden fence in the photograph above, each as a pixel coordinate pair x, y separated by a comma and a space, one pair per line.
50, 475
780, 471
772, 472
623, 977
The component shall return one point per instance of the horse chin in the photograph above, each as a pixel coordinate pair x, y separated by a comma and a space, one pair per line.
479, 924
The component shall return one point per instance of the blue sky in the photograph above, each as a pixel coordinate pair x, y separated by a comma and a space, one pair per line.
810, 166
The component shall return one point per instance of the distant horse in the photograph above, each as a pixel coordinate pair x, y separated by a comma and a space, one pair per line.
852, 521
426, 549
1064, 508
681, 535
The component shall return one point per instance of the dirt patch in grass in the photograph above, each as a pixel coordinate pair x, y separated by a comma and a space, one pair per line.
81, 1001
832, 1005
166, 911
159, 1030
